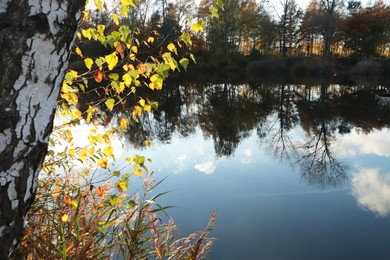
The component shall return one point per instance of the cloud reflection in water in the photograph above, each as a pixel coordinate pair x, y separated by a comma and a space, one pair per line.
372, 191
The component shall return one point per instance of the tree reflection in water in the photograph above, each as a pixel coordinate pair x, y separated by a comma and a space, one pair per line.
229, 113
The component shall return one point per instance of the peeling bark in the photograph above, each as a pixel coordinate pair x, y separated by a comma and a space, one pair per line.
36, 38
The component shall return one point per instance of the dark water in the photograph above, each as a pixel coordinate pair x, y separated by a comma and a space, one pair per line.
295, 171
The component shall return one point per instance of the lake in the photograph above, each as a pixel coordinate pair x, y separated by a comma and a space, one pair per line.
296, 171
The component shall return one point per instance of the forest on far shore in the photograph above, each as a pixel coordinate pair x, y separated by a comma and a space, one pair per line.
249, 35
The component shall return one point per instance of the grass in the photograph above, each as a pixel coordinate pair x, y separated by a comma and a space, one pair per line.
79, 218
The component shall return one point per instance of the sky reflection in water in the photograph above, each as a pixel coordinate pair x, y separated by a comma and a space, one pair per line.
305, 178
266, 209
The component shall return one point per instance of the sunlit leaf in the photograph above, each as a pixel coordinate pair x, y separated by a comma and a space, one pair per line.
147, 143
186, 38
184, 63
72, 152
122, 185
98, 76
76, 114
156, 82
127, 79
116, 173
112, 60
123, 124
103, 162
66, 200
110, 103
79, 52
214, 12
197, 27
65, 218
140, 160
120, 48
137, 171
88, 63
83, 155
56, 192
101, 28
100, 192
90, 112
137, 111
115, 18
150, 39
171, 47
108, 151
134, 49
128, 3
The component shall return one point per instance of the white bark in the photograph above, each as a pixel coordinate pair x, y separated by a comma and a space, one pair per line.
39, 56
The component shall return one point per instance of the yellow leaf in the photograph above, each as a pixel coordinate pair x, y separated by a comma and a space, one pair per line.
171, 47
196, 27
83, 155
88, 63
134, 49
99, 138
65, 218
132, 56
128, 3
90, 112
127, 79
123, 124
147, 143
76, 114
56, 192
151, 39
79, 52
112, 60
148, 108
142, 102
108, 151
137, 171
115, 18
137, 111
72, 152
103, 162
156, 82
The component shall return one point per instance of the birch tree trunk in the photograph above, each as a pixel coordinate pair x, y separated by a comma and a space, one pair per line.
36, 37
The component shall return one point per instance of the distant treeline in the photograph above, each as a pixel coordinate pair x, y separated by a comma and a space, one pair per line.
330, 36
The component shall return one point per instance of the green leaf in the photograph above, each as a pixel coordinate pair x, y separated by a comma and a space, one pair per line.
114, 200
220, 4
214, 12
88, 63
110, 103
154, 105
140, 160
116, 173
186, 38
131, 204
184, 63
114, 76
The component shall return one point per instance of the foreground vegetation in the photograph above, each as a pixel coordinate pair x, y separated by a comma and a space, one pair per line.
85, 207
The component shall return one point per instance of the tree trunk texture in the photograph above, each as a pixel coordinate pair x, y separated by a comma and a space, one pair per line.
36, 38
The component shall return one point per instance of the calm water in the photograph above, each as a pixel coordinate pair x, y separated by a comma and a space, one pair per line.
295, 171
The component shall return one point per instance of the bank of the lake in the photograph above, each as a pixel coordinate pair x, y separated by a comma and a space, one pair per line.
289, 69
